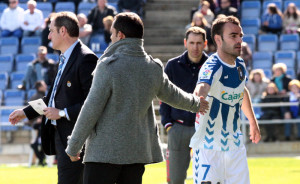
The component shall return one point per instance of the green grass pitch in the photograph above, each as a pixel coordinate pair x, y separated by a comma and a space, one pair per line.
262, 171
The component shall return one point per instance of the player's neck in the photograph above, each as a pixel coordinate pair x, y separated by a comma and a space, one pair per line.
227, 58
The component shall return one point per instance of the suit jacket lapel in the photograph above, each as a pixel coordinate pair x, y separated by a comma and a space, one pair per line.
70, 62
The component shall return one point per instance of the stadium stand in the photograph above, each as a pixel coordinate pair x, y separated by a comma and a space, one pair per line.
30, 44
251, 9
14, 97
3, 80
22, 60
97, 43
4, 114
263, 60
268, 42
85, 7
9, 45
251, 26
45, 7
16, 78
54, 57
286, 57
251, 41
6, 63
64, 6
289, 42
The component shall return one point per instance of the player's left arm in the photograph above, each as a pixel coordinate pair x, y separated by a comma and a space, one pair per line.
248, 111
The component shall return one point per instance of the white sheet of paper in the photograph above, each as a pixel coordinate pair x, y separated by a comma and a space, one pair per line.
38, 105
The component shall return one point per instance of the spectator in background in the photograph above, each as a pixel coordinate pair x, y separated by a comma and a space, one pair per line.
272, 20
41, 68
12, 20
257, 84
131, 6
200, 21
292, 112
33, 20
226, 9
212, 7
271, 95
85, 30
206, 12
246, 55
233, 3
107, 21
291, 19
280, 78
45, 41
96, 15
41, 89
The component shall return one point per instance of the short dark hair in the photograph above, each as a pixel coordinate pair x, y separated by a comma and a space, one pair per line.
218, 25
69, 21
130, 24
195, 30
38, 84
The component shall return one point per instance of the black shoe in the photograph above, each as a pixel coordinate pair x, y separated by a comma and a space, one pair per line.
298, 138
287, 138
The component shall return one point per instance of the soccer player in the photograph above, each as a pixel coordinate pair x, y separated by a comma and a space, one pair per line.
219, 155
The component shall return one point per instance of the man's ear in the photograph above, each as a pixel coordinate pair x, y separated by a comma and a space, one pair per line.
217, 39
184, 41
63, 30
121, 35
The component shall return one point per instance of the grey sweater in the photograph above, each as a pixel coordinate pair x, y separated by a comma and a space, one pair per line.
117, 119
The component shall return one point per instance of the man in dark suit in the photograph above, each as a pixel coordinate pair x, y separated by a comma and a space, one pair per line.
66, 96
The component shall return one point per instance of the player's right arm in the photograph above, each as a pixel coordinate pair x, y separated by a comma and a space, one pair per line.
202, 89
16, 116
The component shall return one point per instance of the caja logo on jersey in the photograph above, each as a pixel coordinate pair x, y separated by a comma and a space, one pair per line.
231, 97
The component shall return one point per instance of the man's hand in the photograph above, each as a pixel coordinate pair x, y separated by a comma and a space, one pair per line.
203, 105
74, 158
16, 116
52, 113
254, 134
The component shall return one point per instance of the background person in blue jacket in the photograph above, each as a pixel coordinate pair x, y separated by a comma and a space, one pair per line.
183, 72
272, 20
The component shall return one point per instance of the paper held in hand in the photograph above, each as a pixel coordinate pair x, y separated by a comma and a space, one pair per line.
38, 105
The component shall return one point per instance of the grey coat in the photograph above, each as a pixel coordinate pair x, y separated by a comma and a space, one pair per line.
117, 119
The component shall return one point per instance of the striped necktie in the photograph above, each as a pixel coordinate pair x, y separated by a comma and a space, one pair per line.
60, 66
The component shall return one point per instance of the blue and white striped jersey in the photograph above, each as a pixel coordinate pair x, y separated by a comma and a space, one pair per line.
219, 128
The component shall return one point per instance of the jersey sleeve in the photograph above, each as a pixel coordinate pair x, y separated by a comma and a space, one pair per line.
207, 72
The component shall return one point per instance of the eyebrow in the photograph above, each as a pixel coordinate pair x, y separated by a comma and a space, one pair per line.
234, 33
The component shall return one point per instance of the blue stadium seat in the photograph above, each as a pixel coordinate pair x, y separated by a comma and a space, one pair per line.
251, 26
30, 93
2, 8
6, 63
268, 42
23, 5
251, 41
85, 7
45, 7
64, 6
97, 43
298, 61
4, 114
289, 42
22, 61
262, 60
9, 45
291, 73
287, 2
30, 44
287, 57
3, 80
251, 9
54, 57
268, 73
16, 78
278, 3
14, 97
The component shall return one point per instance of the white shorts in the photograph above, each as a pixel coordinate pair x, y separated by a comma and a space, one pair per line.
220, 167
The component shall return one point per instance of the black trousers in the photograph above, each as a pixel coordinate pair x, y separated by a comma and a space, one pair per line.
104, 173
68, 172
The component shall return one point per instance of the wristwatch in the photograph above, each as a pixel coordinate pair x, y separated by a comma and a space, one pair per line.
62, 113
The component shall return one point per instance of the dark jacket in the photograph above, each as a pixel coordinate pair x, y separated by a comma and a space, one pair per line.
183, 74
285, 80
95, 17
274, 112
72, 89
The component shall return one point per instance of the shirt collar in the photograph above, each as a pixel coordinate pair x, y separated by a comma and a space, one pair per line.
68, 52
